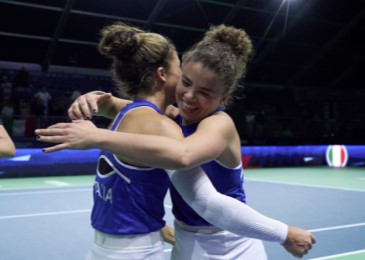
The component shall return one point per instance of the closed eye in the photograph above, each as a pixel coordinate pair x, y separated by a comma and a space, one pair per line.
186, 83
205, 94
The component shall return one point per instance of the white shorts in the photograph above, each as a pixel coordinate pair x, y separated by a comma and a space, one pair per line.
212, 243
127, 247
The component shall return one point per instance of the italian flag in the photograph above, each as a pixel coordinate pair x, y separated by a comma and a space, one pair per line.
337, 155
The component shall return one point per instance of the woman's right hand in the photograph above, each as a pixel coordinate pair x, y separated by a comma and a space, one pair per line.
77, 135
87, 105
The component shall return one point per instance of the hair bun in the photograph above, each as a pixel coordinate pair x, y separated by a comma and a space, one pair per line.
237, 39
119, 40
124, 44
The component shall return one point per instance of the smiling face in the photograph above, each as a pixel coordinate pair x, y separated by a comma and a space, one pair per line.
199, 93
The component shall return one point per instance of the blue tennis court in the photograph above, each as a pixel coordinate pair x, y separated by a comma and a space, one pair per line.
48, 217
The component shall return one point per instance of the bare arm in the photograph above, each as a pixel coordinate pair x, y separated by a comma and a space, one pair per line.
7, 147
96, 103
206, 144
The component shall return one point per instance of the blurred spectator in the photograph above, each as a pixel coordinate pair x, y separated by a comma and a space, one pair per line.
6, 86
21, 84
250, 124
22, 78
25, 111
38, 107
307, 118
259, 127
43, 98
5, 72
57, 108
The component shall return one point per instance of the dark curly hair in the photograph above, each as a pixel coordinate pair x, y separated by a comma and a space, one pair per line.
226, 50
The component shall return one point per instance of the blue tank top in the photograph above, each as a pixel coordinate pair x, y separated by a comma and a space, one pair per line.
226, 181
128, 199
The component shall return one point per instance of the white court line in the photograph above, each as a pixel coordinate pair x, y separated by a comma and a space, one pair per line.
305, 185
45, 214
337, 227
169, 250
334, 228
52, 213
43, 192
58, 183
339, 255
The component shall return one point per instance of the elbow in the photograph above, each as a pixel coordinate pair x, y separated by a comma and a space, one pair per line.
183, 159
184, 162
177, 163
10, 152
7, 154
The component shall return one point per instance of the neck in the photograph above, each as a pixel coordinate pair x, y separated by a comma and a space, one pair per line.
157, 99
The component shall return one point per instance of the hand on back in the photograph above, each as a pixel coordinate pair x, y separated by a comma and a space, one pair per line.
85, 106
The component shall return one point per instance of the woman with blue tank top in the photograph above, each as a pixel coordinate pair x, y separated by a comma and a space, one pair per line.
220, 225
131, 195
128, 208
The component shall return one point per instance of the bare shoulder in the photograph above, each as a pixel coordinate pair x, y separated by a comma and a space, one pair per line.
219, 120
167, 127
219, 126
147, 121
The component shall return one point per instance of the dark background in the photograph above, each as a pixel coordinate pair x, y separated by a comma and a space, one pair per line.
305, 84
